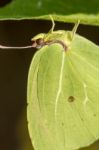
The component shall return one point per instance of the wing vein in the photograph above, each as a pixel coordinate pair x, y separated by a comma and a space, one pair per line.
60, 84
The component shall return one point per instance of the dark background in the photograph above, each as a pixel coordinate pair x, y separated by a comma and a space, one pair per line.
14, 66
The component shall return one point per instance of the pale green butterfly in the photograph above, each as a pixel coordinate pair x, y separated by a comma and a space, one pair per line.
63, 97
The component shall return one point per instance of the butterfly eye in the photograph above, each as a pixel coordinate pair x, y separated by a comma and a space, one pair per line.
34, 44
40, 41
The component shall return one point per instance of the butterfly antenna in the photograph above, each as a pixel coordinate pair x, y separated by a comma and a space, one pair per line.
8, 47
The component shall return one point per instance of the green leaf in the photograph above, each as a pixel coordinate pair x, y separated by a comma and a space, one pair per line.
63, 97
62, 10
